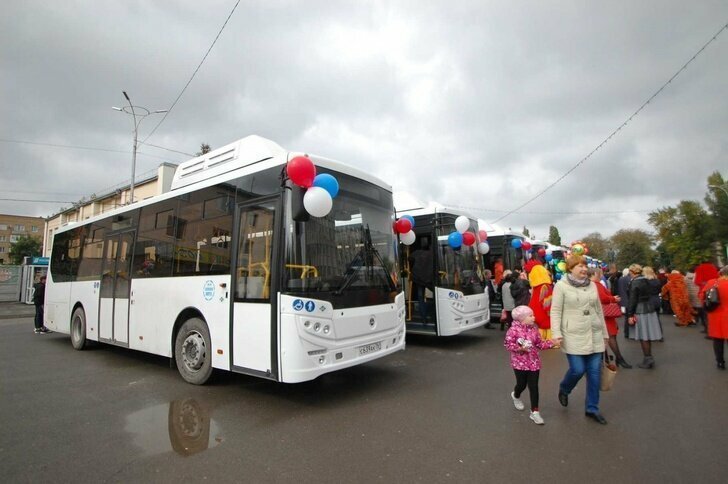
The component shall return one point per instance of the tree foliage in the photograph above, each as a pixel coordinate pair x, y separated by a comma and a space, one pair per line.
554, 237
24, 247
204, 149
633, 246
598, 246
686, 232
717, 201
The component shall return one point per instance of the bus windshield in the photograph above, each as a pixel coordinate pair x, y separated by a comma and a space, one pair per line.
459, 269
349, 256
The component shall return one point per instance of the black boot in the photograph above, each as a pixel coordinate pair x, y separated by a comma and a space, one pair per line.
623, 363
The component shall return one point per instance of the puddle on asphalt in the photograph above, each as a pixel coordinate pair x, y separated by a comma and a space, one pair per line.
182, 426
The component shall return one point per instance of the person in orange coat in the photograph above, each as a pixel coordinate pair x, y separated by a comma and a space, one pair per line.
677, 291
541, 290
718, 318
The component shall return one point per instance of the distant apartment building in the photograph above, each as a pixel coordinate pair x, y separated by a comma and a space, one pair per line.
13, 227
149, 185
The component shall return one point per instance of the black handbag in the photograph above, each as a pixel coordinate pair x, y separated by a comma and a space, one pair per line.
712, 299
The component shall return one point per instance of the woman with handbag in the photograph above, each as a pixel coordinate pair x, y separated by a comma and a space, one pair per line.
641, 315
577, 324
612, 311
718, 315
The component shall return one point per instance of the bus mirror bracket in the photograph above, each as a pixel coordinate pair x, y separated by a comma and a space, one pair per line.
298, 211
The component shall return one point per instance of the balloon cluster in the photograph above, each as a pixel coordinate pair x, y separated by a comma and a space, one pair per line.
320, 189
461, 235
579, 248
403, 226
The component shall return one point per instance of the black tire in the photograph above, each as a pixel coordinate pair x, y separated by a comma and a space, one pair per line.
193, 351
78, 329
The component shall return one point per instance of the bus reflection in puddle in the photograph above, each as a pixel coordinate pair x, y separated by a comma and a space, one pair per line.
183, 426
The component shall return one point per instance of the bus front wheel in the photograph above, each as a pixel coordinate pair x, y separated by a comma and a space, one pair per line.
193, 351
78, 329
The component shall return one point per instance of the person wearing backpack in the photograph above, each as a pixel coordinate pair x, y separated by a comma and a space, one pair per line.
717, 313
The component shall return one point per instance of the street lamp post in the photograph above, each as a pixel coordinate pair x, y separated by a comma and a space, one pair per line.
720, 187
139, 112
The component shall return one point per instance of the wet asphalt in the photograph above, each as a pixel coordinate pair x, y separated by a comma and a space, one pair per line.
438, 412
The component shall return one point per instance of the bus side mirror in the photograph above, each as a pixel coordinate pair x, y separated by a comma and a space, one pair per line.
298, 211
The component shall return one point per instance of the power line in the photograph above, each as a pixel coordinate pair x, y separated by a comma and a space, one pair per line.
168, 149
75, 147
169, 110
568, 172
41, 201
595, 212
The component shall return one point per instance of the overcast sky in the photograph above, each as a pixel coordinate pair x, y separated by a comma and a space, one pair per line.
476, 104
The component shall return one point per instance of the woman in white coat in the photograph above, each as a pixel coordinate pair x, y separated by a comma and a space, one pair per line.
577, 323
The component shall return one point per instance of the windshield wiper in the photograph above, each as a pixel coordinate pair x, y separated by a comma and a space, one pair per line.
365, 257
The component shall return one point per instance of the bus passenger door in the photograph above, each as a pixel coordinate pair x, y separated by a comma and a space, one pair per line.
254, 325
114, 290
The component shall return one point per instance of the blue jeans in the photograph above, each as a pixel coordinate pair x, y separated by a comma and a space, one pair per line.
578, 366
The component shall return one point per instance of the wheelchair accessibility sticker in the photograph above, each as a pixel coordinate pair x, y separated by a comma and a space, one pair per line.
454, 295
299, 305
208, 290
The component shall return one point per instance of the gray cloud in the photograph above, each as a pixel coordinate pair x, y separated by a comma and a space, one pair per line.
466, 103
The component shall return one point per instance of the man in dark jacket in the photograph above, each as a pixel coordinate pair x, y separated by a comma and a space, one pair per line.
521, 289
421, 267
39, 300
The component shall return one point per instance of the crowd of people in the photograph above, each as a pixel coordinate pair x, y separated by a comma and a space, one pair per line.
581, 311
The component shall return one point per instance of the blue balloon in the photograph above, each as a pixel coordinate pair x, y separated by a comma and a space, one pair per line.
549, 257
557, 276
455, 239
516, 243
328, 183
410, 218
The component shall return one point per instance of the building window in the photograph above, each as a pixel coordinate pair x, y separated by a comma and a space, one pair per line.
3, 227
34, 228
14, 238
20, 228
3, 238
2, 249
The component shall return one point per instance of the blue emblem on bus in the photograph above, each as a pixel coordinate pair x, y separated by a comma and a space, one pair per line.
208, 290
297, 305
454, 295
310, 306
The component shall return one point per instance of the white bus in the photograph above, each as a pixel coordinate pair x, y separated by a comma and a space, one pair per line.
457, 300
228, 271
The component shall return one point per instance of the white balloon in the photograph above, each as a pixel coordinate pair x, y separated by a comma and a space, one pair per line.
462, 224
317, 201
408, 238
483, 248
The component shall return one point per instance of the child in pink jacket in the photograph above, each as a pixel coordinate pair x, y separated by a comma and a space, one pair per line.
524, 342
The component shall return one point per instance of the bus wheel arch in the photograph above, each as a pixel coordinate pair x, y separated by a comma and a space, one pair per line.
192, 348
78, 327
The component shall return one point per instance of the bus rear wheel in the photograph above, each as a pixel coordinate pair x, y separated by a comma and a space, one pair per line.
193, 351
78, 329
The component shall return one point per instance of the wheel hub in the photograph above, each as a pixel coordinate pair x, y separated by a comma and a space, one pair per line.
193, 351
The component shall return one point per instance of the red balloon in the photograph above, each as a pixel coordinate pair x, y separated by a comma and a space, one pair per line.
483, 235
526, 245
402, 226
468, 238
541, 252
301, 171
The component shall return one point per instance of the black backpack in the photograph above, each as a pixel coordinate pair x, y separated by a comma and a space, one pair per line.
712, 300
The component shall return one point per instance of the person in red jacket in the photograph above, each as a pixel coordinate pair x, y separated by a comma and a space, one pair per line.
718, 317
606, 297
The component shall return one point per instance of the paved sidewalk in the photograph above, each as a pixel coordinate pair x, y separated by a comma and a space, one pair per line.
16, 310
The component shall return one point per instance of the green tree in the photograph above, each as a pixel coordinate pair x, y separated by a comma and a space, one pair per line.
554, 237
717, 202
686, 232
598, 246
632, 246
24, 247
204, 149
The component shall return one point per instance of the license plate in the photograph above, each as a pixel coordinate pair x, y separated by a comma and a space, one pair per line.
370, 348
